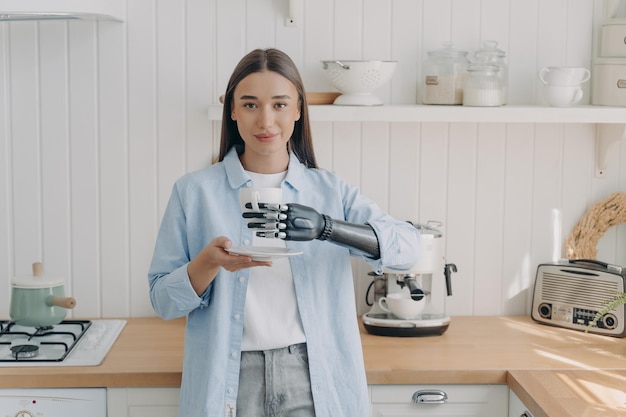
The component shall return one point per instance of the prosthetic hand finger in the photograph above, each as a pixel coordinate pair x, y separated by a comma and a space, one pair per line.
268, 225
272, 235
268, 206
271, 215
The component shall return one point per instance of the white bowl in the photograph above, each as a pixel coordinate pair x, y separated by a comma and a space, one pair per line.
357, 80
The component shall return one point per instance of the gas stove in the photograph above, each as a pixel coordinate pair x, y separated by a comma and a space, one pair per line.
69, 343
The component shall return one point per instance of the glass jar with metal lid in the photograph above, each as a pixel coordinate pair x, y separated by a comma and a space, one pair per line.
490, 54
482, 87
444, 71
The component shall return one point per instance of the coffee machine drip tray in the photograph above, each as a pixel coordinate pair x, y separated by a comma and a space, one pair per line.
386, 324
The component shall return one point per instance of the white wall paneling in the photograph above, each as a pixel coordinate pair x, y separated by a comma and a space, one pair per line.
97, 120
143, 185
489, 220
517, 270
461, 200
115, 293
54, 145
407, 23
24, 133
84, 191
522, 50
6, 184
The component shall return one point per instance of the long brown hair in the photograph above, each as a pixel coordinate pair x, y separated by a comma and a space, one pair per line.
301, 142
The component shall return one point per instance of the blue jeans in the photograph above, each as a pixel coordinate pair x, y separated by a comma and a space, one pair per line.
275, 383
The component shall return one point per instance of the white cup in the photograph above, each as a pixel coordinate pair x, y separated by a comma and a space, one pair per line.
402, 305
564, 76
254, 196
562, 96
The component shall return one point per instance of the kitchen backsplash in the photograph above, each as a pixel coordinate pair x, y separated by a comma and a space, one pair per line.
98, 119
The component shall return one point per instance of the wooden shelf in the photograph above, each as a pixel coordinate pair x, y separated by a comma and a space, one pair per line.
611, 121
456, 114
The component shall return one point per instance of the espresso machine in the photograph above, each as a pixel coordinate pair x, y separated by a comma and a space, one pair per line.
429, 278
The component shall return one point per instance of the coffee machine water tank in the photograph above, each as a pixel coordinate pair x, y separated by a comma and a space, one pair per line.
431, 257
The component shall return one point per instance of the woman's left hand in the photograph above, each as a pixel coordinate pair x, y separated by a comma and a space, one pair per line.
204, 267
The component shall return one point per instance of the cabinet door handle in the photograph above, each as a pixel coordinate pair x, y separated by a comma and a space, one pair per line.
430, 396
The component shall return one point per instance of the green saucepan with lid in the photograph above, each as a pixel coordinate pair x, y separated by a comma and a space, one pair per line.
37, 300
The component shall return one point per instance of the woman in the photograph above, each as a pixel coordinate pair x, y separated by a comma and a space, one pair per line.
279, 337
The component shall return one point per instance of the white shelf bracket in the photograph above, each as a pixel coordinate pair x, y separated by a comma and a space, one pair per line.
292, 11
607, 136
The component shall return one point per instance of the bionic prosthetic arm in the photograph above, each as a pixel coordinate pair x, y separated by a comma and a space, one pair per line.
298, 222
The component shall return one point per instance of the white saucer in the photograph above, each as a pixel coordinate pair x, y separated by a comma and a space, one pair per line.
263, 253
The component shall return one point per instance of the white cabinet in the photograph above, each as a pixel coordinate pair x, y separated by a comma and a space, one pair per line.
462, 400
517, 407
142, 402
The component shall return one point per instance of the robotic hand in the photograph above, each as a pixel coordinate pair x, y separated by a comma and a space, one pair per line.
302, 223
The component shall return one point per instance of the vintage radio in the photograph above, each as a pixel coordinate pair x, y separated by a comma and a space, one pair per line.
570, 293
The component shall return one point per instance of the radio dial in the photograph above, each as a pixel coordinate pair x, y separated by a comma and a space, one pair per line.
545, 310
609, 321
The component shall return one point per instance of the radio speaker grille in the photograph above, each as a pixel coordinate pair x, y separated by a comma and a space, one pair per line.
577, 291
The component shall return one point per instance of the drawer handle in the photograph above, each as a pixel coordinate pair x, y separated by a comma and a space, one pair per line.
430, 396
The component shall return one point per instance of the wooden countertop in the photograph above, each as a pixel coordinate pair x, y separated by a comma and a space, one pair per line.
481, 350
566, 393
556, 372
147, 353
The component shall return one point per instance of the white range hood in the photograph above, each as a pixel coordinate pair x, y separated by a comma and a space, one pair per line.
16, 10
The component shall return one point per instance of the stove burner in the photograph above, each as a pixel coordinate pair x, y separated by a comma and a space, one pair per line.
44, 329
24, 351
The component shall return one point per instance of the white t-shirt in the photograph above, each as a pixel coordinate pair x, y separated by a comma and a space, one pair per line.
271, 317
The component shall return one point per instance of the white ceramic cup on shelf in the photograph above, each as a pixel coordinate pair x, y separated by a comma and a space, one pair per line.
564, 76
401, 305
562, 95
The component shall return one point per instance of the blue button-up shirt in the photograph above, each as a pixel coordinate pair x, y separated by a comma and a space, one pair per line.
204, 205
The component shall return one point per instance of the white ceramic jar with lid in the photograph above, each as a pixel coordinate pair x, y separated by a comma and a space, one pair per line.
608, 82
444, 71
489, 53
482, 86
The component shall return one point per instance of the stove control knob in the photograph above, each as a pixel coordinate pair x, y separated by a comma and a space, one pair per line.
23, 414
